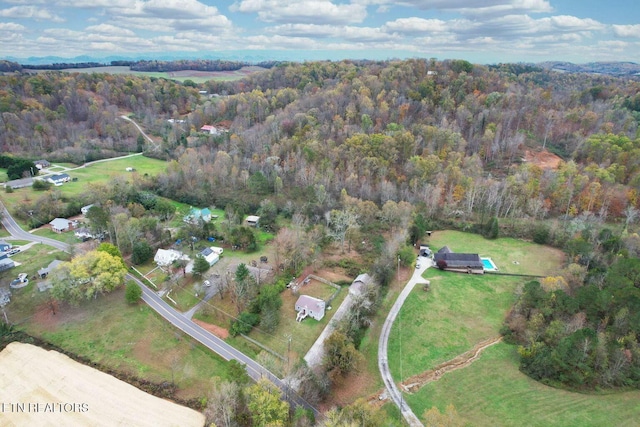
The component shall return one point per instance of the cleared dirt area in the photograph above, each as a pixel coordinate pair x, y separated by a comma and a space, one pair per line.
46, 388
543, 159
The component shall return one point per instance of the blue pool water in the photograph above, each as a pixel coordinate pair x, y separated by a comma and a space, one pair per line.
488, 264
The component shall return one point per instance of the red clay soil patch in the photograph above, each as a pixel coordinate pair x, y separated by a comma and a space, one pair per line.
542, 159
215, 330
346, 392
45, 318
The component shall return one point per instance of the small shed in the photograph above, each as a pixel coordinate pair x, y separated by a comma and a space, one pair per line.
5, 296
60, 225
4, 246
253, 220
309, 306
6, 264
44, 271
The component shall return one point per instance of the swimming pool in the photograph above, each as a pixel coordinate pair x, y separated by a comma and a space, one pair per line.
488, 264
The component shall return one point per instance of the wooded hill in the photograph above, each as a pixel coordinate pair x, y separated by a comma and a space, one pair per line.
449, 135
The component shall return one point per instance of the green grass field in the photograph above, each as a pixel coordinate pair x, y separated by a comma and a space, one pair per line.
493, 392
218, 76
101, 172
132, 339
459, 311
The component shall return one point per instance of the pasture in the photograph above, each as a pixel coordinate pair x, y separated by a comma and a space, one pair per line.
493, 392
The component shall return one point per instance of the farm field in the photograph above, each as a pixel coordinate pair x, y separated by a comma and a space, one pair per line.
193, 75
493, 392
48, 377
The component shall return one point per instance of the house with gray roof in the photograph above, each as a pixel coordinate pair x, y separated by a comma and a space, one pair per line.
309, 306
60, 225
446, 259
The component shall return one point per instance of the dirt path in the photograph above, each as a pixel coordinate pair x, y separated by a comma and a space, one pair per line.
416, 382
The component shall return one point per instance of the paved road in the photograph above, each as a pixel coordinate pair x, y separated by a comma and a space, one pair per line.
16, 231
392, 390
179, 320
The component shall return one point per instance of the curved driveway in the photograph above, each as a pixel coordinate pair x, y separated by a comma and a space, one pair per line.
392, 390
227, 352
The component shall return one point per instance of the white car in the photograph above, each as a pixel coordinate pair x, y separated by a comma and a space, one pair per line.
206, 283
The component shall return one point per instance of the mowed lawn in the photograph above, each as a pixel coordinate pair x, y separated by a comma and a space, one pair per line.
102, 172
493, 392
461, 310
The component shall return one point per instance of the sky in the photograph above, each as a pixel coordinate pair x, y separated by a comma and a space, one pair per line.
480, 31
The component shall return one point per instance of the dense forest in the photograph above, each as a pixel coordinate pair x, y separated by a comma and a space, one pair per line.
364, 145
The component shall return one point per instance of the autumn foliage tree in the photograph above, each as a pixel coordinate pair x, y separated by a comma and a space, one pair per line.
87, 276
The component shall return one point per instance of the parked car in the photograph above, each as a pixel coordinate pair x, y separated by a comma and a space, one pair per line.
13, 252
206, 283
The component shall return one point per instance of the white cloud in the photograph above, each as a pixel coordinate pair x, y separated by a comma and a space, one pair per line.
110, 29
30, 12
627, 30
349, 33
417, 25
303, 11
11, 26
470, 7
564, 22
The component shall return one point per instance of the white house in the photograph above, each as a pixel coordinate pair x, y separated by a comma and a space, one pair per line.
85, 209
210, 255
309, 306
60, 224
165, 257
59, 179
84, 234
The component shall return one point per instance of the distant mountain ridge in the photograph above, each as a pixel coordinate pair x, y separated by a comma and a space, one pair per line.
613, 68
